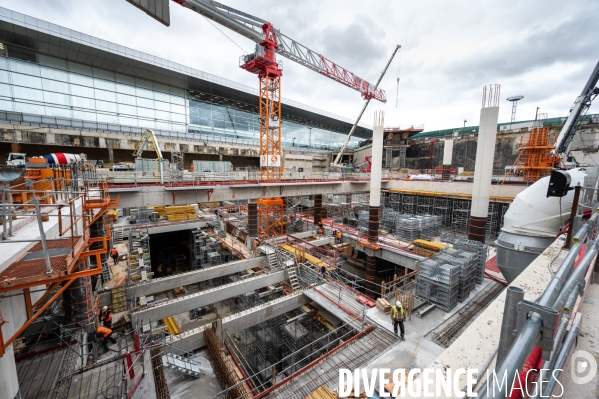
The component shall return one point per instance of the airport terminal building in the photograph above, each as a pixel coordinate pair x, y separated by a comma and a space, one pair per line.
52, 76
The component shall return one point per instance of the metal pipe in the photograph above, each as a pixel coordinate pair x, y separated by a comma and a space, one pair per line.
559, 336
4, 226
561, 358
530, 334
10, 231
556, 283
40, 224
510, 316
574, 280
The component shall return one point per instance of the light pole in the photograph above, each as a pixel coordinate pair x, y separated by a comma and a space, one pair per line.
464, 126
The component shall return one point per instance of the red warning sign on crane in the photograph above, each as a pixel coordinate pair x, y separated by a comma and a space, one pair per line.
270, 160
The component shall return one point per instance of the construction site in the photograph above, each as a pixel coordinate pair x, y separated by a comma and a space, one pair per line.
172, 259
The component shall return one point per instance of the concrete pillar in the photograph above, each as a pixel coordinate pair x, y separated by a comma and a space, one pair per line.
370, 275
483, 169
9, 383
375, 201
317, 209
253, 219
111, 155
447, 155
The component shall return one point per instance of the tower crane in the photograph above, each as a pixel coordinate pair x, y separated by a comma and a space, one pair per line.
263, 62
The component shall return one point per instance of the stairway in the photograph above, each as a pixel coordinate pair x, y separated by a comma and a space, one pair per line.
271, 257
117, 235
234, 235
293, 280
181, 364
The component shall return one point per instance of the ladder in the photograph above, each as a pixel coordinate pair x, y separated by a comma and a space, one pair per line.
117, 235
272, 258
234, 235
293, 280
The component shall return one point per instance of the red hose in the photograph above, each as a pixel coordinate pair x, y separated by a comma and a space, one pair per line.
529, 364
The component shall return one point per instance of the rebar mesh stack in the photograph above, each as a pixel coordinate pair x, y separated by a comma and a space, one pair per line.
477, 248
467, 265
439, 283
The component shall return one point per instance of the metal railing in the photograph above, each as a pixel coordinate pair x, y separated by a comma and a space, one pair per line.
536, 321
135, 131
230, 178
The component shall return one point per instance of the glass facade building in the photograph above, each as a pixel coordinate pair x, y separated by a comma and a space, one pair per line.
134, 89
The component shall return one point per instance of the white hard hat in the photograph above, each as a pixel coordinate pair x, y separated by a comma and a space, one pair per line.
105, 308
398, 304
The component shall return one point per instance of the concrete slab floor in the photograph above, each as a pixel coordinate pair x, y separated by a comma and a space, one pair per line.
182, 386
417, 350
146, 388
118, 271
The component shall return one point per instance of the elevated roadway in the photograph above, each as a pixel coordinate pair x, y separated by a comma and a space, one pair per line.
168, 283
193, 301
188, 193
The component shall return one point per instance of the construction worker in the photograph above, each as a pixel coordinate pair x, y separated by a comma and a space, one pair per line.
115, 255
320, 230
106, 334
106, 317
398, 315
338, 235
323, 270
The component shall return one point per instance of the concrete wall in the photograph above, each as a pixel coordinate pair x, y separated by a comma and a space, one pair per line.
38, 141
506, 151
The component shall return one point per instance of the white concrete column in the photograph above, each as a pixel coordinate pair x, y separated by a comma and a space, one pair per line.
377, 166
485, 154
447, 151
483, 167
9, 384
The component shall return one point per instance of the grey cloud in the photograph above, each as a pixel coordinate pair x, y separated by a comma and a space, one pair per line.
543, 45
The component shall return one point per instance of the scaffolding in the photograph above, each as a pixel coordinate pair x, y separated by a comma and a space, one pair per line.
460, 216
425, 205
139, 254
409, 204
535, 159
477, 248
64, 266
442, 207
439, 283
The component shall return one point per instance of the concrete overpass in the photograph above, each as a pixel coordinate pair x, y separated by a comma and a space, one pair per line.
168, 283
207, 297
148, 195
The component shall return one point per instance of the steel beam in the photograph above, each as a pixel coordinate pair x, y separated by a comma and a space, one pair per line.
207, 297
196, 276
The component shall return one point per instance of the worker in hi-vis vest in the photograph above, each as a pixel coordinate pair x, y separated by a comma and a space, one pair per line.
398, 315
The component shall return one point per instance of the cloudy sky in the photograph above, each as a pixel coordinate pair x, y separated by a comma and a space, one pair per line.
543, 50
